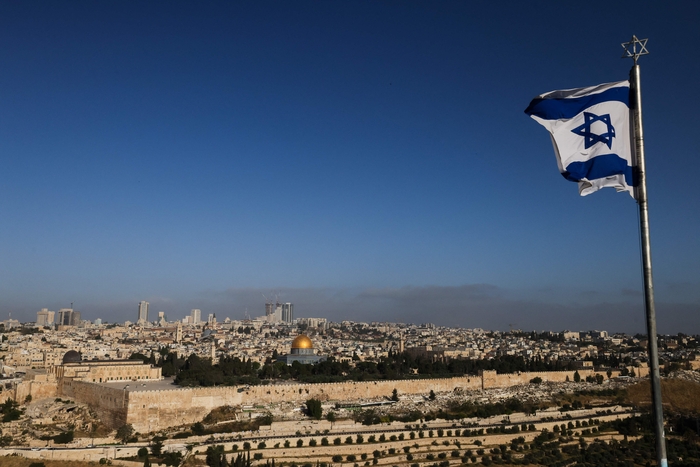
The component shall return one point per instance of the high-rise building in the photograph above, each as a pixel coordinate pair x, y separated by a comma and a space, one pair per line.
143, 312
68, 317
64, 316
196, 316
269, 310
45, 317
287, 312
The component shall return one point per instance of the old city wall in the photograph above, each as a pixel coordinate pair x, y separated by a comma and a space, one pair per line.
154, 410
353, 390
109, 403
158, 409
493, 380
36, 389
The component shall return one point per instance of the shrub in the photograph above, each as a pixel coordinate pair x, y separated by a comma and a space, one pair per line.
313, 408
67, 437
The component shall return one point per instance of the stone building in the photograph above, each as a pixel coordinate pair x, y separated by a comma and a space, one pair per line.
102, 371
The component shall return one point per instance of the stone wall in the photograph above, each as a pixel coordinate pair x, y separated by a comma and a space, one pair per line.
37, 389
150, 411
111, 404
493, 380
153, 410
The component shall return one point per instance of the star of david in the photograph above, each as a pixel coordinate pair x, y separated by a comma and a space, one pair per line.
635, 48
591, 138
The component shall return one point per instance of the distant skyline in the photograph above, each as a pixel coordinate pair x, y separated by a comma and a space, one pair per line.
368, 160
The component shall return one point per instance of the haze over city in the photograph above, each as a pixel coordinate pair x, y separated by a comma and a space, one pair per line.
365, 161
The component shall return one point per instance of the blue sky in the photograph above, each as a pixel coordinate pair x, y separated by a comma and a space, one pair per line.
365, 160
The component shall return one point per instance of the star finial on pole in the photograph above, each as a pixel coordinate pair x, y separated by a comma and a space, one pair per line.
635, 48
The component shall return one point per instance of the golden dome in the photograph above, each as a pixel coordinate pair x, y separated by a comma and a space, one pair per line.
302, 342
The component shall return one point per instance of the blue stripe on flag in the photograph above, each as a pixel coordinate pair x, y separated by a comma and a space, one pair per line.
599, 167
555, 109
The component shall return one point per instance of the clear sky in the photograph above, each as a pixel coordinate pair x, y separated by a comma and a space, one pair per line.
363, 160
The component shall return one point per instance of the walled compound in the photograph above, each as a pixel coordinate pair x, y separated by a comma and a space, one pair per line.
132, 392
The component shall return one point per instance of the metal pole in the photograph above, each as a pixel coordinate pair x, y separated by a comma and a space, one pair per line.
636, 105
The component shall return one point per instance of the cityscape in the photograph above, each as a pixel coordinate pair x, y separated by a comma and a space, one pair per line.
174, 391
349, 234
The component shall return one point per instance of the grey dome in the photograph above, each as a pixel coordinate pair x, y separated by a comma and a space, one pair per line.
72, 357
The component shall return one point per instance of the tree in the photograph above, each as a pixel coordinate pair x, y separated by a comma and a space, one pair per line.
64, 437
9, 411
330, 416
125, 432
395, 395
431, 396
143, 452
577, 377
157, 447
198, 429
313, 408
214, 456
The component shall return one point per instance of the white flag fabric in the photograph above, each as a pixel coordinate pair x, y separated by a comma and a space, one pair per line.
591, 132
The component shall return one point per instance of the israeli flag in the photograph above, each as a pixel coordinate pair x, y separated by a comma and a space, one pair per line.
591, 132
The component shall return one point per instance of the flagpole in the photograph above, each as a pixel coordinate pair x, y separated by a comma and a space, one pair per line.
634, 49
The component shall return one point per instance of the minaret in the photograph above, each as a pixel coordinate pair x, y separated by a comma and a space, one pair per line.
178, 333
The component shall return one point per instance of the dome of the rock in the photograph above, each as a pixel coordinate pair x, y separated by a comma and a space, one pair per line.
302, 342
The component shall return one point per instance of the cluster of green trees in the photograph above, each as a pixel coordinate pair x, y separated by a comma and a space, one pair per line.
217, 458
10, 411
198, 371
556, 448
